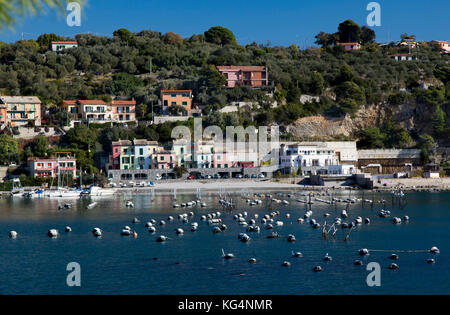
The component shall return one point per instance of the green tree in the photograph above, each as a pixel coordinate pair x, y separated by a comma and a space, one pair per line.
40, 146
123, 34
326, 39
349, 31
438, 121
9, 149
367, 35
371, 138
220, 35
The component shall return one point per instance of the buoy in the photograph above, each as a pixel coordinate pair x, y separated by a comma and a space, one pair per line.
393, 266
434, 250
125, 232
13, 234
327, 258
227, 256
291, 238
97, 232
396, 220
300, 220
179, 231
394, 257
53, 233
363, 252
161, 239
244, 237
135, 235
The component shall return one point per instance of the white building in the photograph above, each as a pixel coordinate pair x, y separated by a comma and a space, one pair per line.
60, 46
312, 159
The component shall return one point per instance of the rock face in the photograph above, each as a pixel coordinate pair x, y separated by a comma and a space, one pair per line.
410, 116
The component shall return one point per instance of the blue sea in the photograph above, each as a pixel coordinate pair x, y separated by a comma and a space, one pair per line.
193, 264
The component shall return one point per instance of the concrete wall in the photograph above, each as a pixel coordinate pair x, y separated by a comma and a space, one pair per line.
116, 175
389, 154
163, 119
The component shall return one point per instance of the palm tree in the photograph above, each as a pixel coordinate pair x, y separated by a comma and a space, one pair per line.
11, 9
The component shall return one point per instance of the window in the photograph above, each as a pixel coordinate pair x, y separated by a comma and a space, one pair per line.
174, 103
141, 151
219, 165
162, 158
182, 150
184, 103
173, 95
185, 95
226, 165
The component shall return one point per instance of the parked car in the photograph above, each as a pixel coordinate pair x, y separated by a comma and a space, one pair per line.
216, 176
142, 184
208, 176
158, 177
261, 176
246, 176
226, 176
191, 177
254, 176
123, 185
239, 176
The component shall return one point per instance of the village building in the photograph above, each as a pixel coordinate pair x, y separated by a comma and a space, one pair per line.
58, 46
20, 111
180, 98
350, 46
52, 167
253, 76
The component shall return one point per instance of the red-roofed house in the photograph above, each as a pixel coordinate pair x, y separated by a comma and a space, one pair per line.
60, 46
52, 167
123, 111
89, 111
445, 46
253, 76
350, 46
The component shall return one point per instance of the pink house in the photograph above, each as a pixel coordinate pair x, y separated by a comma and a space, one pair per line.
52, 167
351, 46
123, 111
221, 160
165, 160
254, 76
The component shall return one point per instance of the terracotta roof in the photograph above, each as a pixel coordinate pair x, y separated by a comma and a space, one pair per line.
242, 68
92, 102
348, 44
176, 91
70, 102
69, 43
121, 102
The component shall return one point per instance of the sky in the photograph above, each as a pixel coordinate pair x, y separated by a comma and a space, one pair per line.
282, 22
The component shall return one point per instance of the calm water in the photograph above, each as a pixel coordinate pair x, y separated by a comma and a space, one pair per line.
193, 264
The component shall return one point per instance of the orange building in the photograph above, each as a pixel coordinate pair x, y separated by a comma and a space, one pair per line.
181, 98
350, 46
20, 110
253, 76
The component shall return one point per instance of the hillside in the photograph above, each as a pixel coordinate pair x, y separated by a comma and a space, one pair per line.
357, 89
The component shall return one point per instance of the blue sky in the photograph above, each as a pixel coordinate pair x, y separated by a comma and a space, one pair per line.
281, 22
